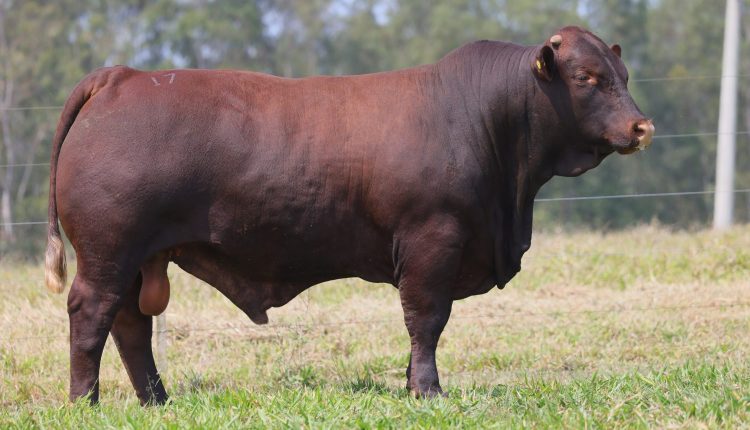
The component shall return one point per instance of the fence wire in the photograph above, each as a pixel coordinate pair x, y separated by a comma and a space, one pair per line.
542, 200
491, 319
652, 79
631, 196
662, 136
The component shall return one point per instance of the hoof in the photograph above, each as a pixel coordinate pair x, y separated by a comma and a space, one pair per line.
155, 401
429, 393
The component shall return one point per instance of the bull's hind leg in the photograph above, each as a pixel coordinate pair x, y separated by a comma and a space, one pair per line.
131, 332
93, 303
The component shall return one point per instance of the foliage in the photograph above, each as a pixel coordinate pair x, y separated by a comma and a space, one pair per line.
51, 45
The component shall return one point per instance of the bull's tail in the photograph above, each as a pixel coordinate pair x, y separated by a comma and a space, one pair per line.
55, 267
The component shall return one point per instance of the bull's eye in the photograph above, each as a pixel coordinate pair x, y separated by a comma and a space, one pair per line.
582, 77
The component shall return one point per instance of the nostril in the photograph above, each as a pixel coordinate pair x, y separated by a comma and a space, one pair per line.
639, 129
643, 128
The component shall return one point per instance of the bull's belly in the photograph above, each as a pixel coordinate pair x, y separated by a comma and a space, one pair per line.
278, 256
256, 281
257, 276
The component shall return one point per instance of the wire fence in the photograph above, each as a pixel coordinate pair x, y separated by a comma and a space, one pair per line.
639, 80
657, 137
309, 331
688, 78
490, 319
543, 200
631, 196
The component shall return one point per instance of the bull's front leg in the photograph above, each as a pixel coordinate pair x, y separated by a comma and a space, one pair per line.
425, 321
426, 282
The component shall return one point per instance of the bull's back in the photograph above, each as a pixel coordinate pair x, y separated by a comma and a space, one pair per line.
292, 167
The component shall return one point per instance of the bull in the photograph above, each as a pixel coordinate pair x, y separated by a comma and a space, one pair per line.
263, 186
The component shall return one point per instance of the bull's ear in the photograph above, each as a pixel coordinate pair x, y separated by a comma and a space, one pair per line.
616, 48
544, 64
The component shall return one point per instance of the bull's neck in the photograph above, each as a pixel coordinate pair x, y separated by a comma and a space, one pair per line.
494, 83
494, 86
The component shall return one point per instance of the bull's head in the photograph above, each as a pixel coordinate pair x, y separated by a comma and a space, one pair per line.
585, 82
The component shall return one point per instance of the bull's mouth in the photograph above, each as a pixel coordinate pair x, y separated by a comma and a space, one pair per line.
643, 135
620, 144
628, 148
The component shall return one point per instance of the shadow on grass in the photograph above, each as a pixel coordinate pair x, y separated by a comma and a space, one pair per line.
196, 383
368, 385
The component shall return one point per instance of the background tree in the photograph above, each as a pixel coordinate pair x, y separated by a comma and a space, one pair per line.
46, 47
38, 41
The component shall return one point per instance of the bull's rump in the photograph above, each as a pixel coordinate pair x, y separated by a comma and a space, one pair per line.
275, 173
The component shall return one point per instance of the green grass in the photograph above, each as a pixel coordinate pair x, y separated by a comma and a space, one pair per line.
640, 329
690, 395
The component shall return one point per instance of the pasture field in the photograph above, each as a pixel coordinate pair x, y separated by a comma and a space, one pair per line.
642, 329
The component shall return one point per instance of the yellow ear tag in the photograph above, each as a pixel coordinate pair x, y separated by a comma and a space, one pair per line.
539, 65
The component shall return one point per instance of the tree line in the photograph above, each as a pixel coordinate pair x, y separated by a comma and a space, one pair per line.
672, 48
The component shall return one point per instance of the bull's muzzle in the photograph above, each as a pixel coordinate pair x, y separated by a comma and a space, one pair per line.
644, 131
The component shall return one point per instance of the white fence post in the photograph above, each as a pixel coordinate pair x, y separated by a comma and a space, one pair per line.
725, 151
